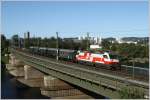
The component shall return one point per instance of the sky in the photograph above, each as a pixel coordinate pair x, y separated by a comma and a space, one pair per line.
74, 19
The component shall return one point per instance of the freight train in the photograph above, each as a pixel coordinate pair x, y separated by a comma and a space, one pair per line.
96, 58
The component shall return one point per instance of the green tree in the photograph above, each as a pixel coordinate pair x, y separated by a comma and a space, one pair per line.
83, 45
4, 45
106, 44
4, 49
15, 40
3, 42
27, 40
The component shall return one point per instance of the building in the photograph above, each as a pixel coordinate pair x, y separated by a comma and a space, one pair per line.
120, 40
76, 39
95, 47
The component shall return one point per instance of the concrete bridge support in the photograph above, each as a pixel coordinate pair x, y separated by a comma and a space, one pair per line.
32, 77
15, 67
31, 73
56, 88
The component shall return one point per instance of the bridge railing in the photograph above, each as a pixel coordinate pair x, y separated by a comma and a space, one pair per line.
136, 71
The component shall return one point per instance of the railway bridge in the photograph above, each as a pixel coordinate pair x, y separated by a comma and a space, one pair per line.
94, 80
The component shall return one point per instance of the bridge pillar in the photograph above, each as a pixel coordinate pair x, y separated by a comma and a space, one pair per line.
32, 77
56, 88
31, 73
15, 67
11, 59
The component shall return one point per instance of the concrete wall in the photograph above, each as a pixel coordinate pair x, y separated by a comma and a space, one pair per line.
31, 73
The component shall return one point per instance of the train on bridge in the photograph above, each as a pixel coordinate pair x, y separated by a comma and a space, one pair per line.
96, 58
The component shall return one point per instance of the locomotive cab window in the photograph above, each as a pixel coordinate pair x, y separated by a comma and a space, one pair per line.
105, 56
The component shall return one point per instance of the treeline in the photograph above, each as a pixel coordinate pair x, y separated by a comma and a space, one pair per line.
51, 43
4, 44
139, 50
128, 50
48, 42
4, 50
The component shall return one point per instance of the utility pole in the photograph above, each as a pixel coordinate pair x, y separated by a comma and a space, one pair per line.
38, 43
24, 40
133, 68
11, 42
18, 42
87, 41
57, 46
34, 42
28, 40
46, 40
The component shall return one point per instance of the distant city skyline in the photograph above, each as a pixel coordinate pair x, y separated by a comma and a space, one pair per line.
75, 19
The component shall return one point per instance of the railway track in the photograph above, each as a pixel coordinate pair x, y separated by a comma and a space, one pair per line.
123, 72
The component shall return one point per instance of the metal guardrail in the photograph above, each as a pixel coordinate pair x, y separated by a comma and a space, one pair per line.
88, 76
136, 71
140, 68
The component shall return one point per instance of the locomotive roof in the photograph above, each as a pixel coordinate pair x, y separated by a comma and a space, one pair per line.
101, 52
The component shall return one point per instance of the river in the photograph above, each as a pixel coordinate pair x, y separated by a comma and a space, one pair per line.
12, 89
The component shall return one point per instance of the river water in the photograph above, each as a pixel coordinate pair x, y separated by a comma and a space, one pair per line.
12, 89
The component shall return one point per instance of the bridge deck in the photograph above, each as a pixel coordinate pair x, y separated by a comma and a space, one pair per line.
97, 82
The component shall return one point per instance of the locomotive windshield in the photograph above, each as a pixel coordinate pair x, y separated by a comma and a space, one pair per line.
105, 56
113, 56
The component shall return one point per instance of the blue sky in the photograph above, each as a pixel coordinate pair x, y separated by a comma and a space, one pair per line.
74, 19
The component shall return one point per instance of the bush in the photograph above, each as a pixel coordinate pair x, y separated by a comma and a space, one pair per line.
131, 93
